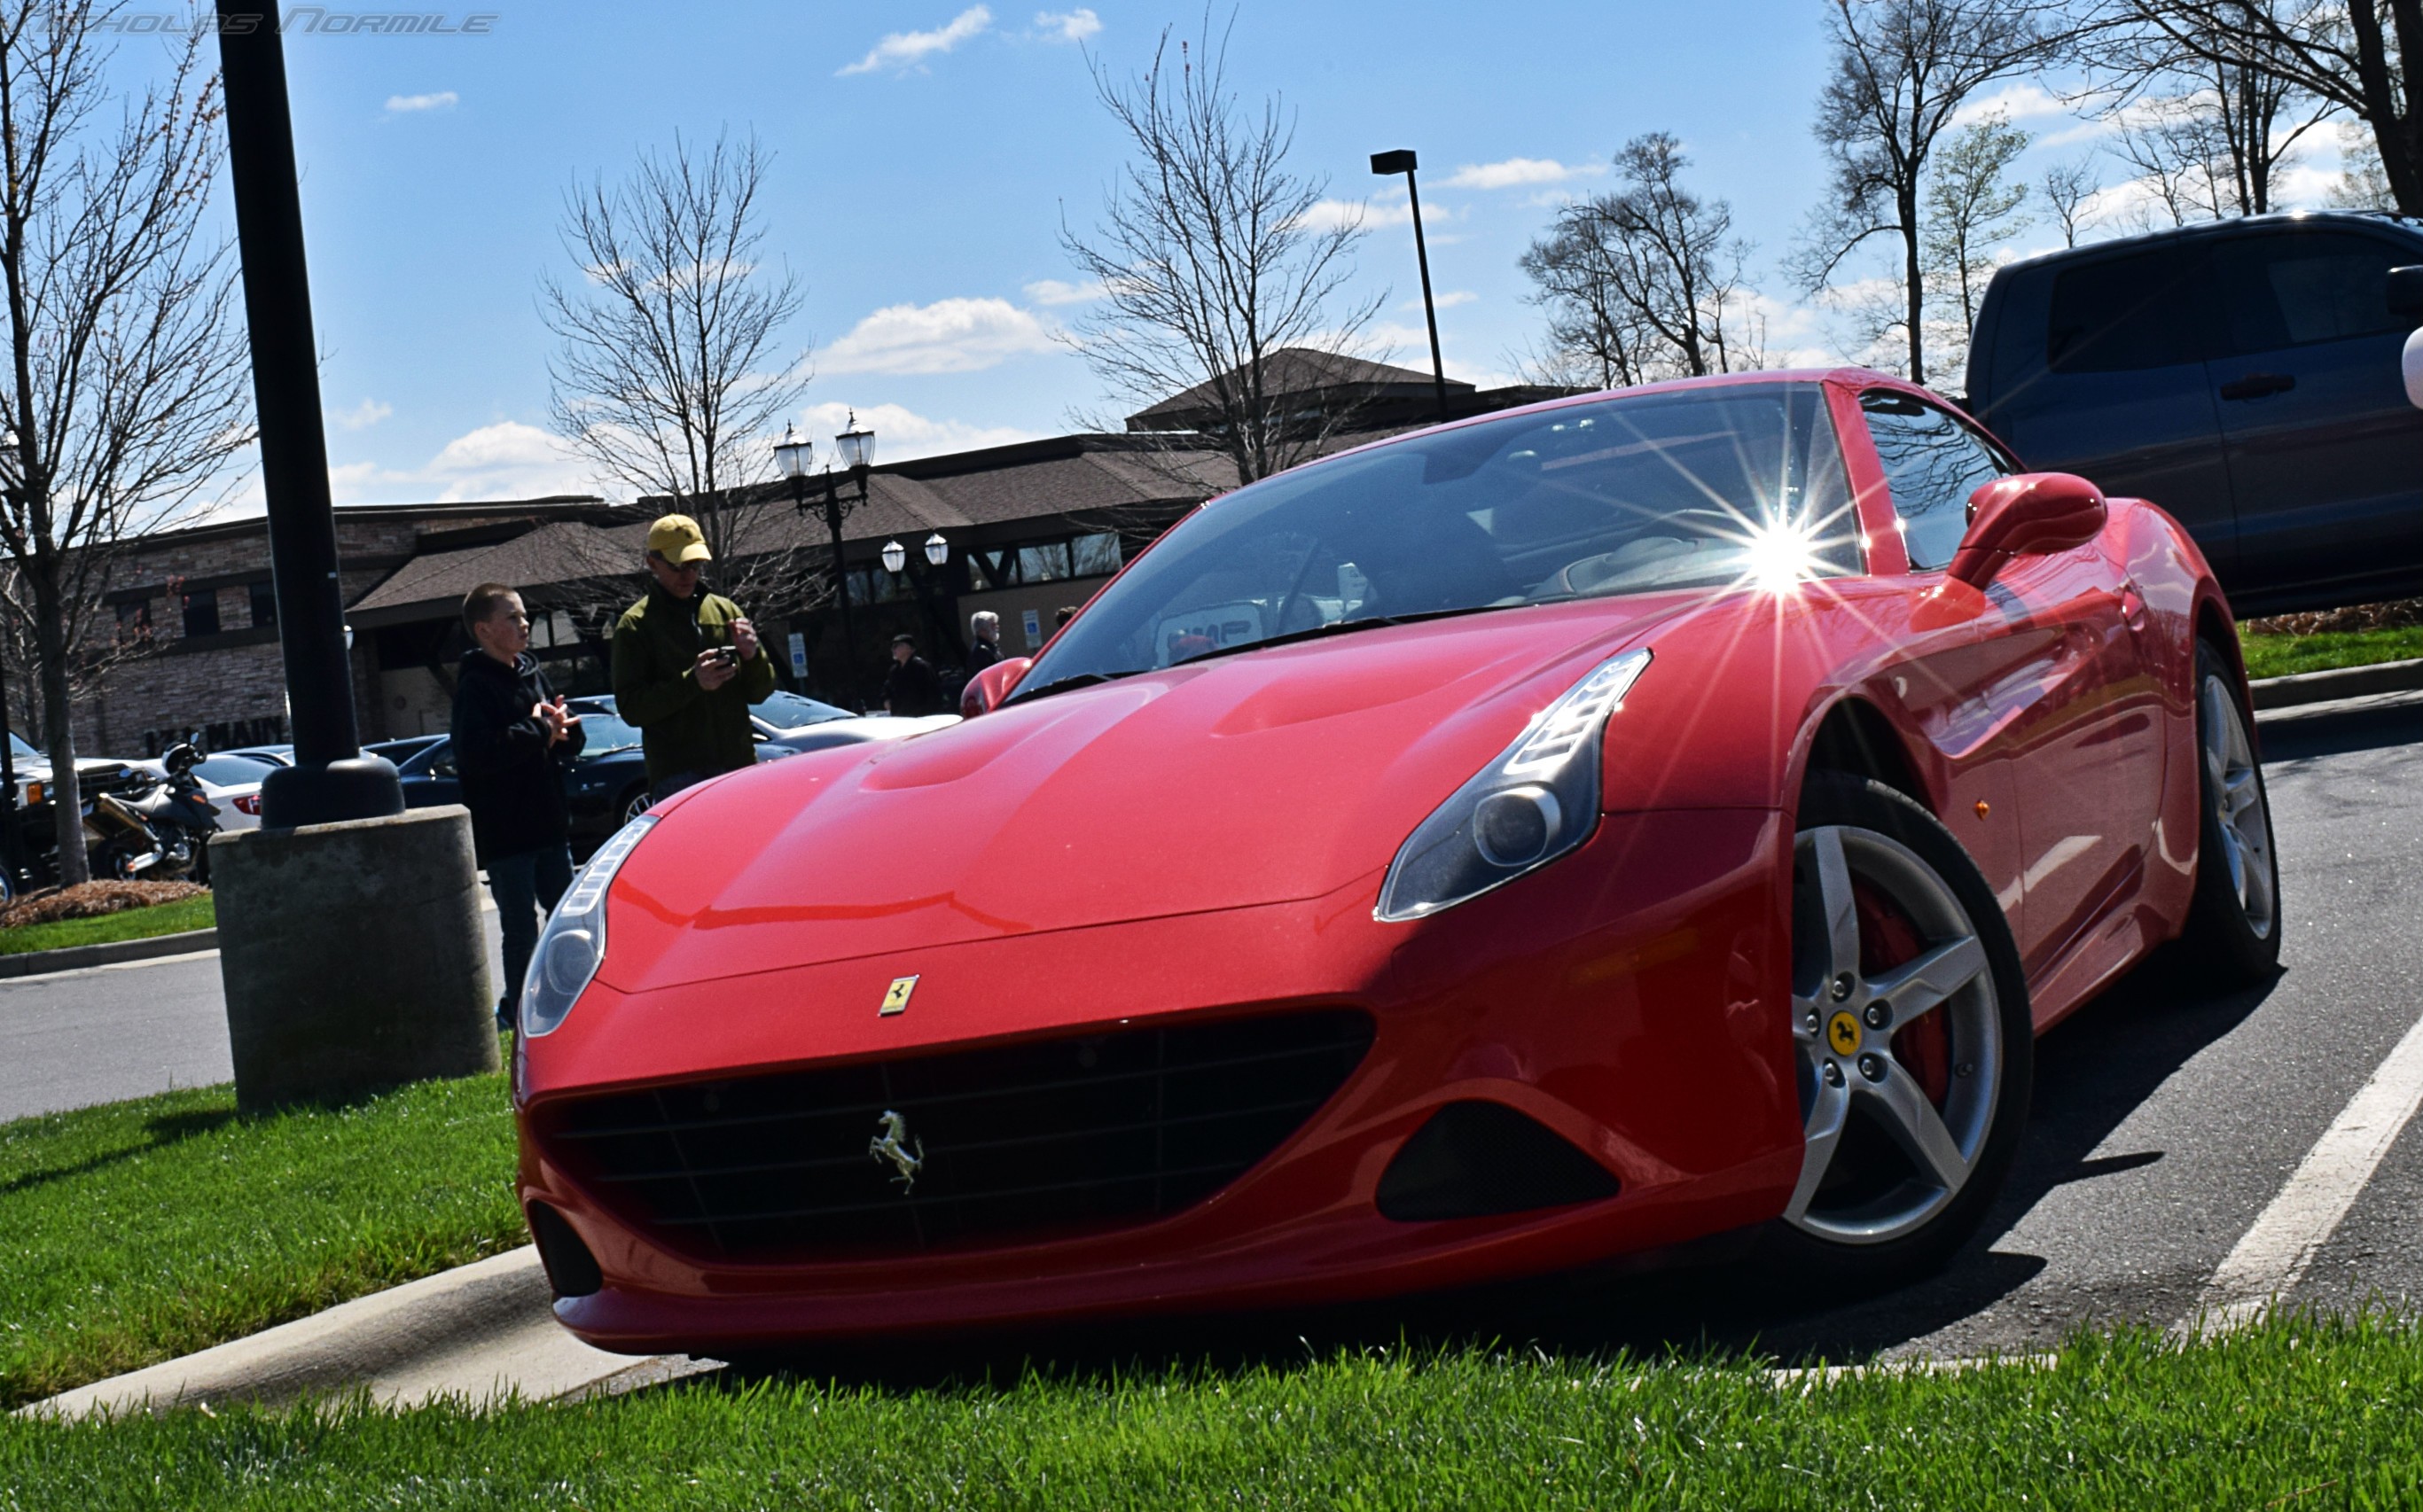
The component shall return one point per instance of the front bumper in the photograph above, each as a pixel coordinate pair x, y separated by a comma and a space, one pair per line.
1630, 998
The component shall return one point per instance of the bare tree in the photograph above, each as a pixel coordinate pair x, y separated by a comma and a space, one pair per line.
2067, 187
2350, 56
1647, 281
2207, 123
1971, 208
1902, 70
2361, 184
127, 386
1215, 258
670, 368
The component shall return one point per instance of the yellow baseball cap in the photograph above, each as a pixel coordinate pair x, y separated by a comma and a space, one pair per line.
678, 539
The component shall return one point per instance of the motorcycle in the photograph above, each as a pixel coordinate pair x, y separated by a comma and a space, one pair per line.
159, 835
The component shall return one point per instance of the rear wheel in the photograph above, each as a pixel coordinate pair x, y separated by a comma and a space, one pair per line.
634, 803
1911, 1033
2232, 938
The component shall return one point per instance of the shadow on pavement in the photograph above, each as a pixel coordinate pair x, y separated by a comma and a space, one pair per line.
2292, 737
1720, 1299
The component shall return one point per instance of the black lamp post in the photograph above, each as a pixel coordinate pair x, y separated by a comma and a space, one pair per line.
857, 447
937, 556
330, 779
1401, 160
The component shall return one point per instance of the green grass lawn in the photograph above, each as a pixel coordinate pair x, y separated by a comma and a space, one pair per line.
2271, 656
135, 1232
132, 924
2303, 1413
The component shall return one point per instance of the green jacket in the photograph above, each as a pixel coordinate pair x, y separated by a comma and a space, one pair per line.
683, 727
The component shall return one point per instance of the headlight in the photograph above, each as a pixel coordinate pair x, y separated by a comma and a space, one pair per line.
574, 940
1529, 806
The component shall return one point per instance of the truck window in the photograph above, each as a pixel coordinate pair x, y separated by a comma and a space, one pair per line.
2122, 314
2296, 288
1932, 463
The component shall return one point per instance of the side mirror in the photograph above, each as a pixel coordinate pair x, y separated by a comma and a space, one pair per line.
2034, 514
2405, 293
986, 690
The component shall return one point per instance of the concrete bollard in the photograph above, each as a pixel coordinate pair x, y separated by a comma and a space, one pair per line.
352, 956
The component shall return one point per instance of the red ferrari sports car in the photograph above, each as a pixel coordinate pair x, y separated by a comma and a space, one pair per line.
1555, 835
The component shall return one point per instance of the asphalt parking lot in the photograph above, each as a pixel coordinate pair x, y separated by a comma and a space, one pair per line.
2164, 1122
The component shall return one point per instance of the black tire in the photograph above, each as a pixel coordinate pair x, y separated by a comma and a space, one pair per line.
1870, 1211
2232, 935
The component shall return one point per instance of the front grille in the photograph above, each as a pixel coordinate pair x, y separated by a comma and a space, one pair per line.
1028, 1140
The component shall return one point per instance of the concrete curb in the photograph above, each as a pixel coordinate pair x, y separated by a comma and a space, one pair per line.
2338, 682
35, 963
480, 1332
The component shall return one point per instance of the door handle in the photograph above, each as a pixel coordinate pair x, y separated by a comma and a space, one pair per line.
2258, 386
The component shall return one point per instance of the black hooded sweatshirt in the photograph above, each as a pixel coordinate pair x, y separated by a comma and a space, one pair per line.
512, 780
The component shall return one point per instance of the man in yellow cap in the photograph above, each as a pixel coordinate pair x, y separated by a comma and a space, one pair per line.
687, 667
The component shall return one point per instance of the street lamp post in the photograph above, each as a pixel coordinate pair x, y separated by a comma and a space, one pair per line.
330, 779
937, 556
1401, 160
794, 455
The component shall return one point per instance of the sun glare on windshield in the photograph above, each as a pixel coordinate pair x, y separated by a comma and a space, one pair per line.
1779, 555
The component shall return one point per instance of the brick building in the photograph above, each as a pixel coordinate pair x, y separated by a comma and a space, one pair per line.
1029, 527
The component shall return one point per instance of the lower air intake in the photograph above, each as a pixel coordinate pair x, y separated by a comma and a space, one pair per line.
1476, 1158
1016, 1143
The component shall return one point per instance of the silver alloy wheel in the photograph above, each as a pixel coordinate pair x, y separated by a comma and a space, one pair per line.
2237, 785
1842, 1024
637, 806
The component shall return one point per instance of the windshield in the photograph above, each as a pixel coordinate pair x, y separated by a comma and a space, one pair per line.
21, 751
1692, 489
602, 730
788, 711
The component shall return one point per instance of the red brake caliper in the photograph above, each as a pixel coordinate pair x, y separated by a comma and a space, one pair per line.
1888, 939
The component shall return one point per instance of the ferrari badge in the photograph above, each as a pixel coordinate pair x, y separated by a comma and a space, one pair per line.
895, 997
1842, 1032
893, 1142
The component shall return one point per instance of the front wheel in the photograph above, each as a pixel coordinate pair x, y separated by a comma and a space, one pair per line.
634, 803
1914, 1048
2232, 938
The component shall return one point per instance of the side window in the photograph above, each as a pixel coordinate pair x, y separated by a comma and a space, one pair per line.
1932, 463
2296, 288
442, 763
2123, 314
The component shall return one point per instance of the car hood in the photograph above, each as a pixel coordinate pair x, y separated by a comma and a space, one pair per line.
1259, 778
861, 729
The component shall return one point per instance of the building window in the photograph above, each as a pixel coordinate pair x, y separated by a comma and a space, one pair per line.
202, 613
1097, 555
264, 604
135, 620
1043, 564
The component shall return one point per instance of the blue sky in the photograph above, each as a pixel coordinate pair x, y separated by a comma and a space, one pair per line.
925, 155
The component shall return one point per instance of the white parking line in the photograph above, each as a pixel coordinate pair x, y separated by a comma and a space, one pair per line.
2273, 1255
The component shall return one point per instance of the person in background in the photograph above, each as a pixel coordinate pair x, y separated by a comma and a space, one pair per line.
985, 626
513, 740
687, 667
1062, 615
912, 687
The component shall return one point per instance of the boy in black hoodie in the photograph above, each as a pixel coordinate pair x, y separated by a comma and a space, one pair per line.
512, 740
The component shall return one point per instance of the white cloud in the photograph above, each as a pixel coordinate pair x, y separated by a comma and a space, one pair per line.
1386, 207
1445, 301
2024, 100
404, 104
363, 416
1512, 172
1053, 291
901, 434
947, 335
1067, 26
903, 51
507, 460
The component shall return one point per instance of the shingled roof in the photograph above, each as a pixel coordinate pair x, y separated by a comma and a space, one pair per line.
1324, 381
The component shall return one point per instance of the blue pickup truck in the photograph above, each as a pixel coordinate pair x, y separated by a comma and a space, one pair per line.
2245, 377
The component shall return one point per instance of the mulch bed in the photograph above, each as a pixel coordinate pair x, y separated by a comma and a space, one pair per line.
90, 900
2396, 615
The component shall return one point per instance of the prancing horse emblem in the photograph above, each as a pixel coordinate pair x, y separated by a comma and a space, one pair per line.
895, 997
892, 1143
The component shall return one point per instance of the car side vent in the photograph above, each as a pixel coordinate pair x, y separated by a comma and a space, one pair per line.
1476, 1158
571, 1269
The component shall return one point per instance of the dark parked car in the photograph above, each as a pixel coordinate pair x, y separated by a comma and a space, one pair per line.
606, 789
2245, 377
